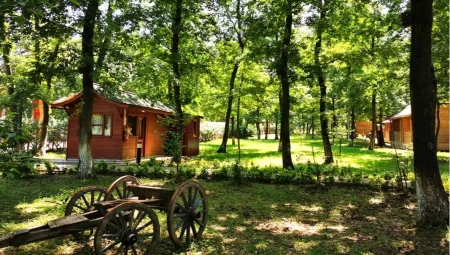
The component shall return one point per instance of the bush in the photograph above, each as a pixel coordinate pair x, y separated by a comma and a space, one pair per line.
101, 167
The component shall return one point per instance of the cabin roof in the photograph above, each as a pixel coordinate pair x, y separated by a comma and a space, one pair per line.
403, 113
118, 96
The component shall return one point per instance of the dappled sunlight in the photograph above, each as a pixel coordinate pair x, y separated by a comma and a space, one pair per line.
311, 208
376, 200
286, 226
217, 227
359, 237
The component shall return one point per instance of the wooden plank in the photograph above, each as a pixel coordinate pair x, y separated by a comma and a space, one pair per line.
21, 232
67, 221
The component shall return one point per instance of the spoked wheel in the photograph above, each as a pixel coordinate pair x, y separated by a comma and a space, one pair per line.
129, 228
118, 190
187, 213
82, 201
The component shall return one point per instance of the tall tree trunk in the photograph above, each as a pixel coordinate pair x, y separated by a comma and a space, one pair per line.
285, 134
106, 40
223, 146
432, 200
176, 30
232, 131
280, 101
352, 126
276, 124
46, 106
328, 153
267, 129
85, 169
6, 50
380, 134
374, 120
438, 105
258, 127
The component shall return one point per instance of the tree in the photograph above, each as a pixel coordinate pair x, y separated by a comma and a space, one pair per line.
239, 30
432, 200
85, 169
285, 98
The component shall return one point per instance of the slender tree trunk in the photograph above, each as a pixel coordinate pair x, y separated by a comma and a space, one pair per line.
232, 130
85, 169
285, 134
223, 146
267, 129
313, 125
276, 125
352, 126
380, 134
432, 200
280, 100
106, 40
176, 30
374, 120
258, 127
328, 153
6, 50
46, 106
334, 121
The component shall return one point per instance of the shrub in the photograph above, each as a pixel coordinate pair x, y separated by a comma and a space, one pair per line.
101, 167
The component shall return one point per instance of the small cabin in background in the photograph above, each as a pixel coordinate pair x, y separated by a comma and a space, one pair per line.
398, 129
363, 128
121, 123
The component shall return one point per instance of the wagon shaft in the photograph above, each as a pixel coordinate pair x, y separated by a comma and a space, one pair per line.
54, 228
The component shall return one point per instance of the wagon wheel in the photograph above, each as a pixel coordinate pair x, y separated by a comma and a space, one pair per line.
118, 190
187, 213
82, 201
129, 228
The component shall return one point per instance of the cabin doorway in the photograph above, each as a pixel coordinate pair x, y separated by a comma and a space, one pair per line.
138, 129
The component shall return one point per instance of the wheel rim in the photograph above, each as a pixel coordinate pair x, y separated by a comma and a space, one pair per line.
118, 190
130, 228
81, 202
187, 214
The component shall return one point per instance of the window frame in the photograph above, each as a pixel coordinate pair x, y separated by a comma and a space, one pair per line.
103, 125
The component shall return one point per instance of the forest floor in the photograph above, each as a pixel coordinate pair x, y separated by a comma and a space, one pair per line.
246, 219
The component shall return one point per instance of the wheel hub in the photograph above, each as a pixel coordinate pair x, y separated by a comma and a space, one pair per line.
194, 214
129, 236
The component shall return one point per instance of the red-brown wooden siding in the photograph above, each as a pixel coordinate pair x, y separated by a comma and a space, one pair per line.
191, 139
102, 147
114, 147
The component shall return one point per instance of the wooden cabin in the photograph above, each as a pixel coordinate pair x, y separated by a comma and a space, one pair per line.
398, 129
121, 123
363, 128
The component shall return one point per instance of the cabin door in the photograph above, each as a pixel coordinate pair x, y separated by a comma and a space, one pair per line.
141, 131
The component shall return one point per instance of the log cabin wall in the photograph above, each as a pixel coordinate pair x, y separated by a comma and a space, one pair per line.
443, 136
386, 132
191, 138
102, 147
363, 127
154, 139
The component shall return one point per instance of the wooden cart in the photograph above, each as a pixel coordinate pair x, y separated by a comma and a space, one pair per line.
123, 217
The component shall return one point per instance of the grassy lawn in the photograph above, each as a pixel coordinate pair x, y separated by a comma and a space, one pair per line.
249, 219
359, 158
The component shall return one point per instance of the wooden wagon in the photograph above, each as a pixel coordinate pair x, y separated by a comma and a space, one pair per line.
123, 217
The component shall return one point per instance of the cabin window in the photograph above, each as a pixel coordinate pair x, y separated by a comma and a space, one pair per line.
101, 124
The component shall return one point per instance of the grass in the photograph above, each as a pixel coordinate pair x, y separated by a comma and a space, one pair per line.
359, 158
248, 219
